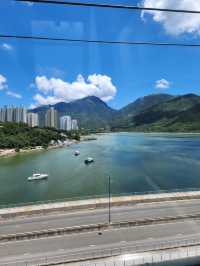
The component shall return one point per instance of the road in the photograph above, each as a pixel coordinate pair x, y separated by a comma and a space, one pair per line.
138, 211
43, 249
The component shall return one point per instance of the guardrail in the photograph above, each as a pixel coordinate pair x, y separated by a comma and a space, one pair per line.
97, 197
164, 255
87, 258
93, 227
167, 252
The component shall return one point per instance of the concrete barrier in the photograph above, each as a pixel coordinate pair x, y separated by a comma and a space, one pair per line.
93, 227
95, 203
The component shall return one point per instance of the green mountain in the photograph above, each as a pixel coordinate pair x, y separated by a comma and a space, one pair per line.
144, 103
124, 117
182, 113
91, 112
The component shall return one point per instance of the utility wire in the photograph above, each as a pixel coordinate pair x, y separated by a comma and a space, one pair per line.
130, 7
134, 43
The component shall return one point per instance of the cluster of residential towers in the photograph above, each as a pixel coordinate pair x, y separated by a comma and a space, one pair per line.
13, 114
52, 119
64, 122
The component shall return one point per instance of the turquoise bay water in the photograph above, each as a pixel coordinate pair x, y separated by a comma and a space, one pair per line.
136, 163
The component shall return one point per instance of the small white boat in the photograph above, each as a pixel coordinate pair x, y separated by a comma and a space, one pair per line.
89, 160
77, 153
37, 177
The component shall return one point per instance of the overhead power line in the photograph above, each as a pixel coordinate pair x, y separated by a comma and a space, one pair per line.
133, 43
97, 5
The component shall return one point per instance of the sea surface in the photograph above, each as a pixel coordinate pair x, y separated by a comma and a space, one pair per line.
136, 162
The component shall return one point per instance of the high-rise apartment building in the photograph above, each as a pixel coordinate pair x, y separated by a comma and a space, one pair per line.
9, 114
66, 123
51, 118
74, 124
17, 115
23, 115
20, 115
32, 119
2, 114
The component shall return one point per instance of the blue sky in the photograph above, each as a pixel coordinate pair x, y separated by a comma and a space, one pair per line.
38, 72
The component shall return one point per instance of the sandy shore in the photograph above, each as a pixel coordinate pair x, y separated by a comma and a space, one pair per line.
7, 152
13, 152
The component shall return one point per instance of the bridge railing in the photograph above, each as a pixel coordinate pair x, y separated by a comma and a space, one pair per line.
150, 251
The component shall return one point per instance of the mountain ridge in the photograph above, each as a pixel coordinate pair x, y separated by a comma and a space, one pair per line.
90, 111
151, 112
178, 114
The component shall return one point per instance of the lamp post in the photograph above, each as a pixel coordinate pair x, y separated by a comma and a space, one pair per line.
109, 200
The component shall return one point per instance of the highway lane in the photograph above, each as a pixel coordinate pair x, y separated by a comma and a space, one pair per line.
60, 245
123, 213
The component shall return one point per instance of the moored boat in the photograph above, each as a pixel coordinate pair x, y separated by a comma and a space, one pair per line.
77, 153
89, 160
37, 176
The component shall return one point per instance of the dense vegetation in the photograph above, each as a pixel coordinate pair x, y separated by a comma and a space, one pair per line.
169, 114
73, 134
20, 136
181, 114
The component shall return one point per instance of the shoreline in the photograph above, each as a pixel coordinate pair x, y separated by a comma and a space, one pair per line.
153, 133
4, 153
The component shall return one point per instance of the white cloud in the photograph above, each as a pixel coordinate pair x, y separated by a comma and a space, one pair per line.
44, 84
42, 100
3, 82
7, 46
4, 86
55, 90
175, 23
13, 94
162, 84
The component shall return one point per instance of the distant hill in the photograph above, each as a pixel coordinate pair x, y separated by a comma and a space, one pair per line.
188, 120
144, 103
156, 112
124, 117
91, 112
178, 114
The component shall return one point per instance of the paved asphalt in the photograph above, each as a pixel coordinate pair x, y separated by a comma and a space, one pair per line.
43, 249
138, 211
